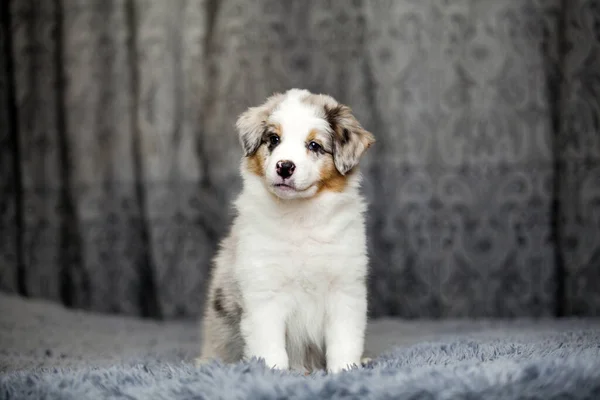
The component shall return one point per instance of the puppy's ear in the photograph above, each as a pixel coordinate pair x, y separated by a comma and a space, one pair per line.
251, 124
350, 139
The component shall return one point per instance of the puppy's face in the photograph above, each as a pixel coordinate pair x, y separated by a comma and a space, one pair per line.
300, 143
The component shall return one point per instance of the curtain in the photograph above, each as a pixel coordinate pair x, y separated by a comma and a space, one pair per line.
119, 158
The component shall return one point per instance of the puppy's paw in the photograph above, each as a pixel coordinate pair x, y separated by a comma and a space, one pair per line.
341, 367
281, 366
276, 361
336, 368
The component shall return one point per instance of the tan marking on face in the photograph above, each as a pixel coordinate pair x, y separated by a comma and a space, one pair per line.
312, 135
256, 162
276, 129
330, 178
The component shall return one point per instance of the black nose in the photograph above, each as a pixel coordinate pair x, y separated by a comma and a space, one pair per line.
285, 168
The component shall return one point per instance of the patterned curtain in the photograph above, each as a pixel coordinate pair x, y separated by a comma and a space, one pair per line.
118, 156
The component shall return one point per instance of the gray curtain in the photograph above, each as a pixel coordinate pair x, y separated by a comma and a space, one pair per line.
118, 157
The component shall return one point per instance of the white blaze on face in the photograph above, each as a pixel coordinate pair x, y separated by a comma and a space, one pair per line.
296, 121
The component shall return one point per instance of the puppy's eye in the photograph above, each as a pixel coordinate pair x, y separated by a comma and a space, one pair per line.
274, 140
314, 146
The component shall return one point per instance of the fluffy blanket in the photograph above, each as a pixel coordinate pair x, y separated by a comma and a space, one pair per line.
47, 352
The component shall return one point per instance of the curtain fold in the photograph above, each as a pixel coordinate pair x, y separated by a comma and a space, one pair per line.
578, 153
36, 134
10, 261
120, 159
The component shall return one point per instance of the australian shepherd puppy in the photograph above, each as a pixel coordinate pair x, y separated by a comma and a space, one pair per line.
289, 281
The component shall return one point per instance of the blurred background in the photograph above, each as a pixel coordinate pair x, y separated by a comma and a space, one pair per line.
119, 158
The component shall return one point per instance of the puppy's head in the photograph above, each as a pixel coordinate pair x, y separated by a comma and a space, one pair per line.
301, 143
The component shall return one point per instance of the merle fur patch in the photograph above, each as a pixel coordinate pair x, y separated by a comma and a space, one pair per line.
349, 138
232, 313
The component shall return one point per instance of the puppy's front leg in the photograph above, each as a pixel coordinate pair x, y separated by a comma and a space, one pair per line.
345, 329
263, 329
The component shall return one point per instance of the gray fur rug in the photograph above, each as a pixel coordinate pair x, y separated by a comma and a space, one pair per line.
47, 352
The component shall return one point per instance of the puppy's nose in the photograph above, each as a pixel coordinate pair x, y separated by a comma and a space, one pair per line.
285, 168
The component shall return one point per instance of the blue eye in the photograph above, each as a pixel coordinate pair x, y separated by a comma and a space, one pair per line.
314, 146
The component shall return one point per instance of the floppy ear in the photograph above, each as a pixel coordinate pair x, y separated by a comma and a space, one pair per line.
251, 124
350, 139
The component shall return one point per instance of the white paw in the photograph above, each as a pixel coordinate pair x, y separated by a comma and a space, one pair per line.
276, 361
277, 365
336, 368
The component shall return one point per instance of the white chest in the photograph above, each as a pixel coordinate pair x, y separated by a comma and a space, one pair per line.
300, 261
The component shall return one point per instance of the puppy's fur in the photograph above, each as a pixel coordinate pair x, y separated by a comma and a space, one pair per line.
289, 281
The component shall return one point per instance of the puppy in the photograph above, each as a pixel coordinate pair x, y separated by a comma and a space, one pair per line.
288, 283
